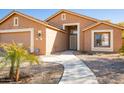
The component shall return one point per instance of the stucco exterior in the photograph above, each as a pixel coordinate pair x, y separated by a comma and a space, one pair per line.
117, 37
85, 36
54, 37
55, 41
57, 22
27, 23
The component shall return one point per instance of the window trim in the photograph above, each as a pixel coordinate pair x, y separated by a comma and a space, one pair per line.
63, 16
107, 49
100, 33
14, 21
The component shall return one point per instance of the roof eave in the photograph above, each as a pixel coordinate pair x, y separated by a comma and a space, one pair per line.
110, 24
29, 17
86, 17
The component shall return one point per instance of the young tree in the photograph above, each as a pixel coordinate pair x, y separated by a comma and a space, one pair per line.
15, 55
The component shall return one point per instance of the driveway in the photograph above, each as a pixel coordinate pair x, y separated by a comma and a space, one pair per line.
75, 71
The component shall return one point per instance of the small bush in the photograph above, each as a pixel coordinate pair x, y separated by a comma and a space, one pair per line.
121, 50
15, 56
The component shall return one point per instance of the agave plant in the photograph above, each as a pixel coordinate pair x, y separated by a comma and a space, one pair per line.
15, 55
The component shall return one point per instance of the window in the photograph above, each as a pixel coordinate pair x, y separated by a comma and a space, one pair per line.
73, 32
63, 16
101, 39
15, 23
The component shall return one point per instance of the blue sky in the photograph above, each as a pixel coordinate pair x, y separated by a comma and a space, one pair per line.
115, 15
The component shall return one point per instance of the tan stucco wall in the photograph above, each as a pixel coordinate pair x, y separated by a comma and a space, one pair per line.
117, 37
26, 23
55, 41
58, 41
57, 22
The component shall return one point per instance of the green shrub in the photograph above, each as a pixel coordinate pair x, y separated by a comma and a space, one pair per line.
15, 55
121, 50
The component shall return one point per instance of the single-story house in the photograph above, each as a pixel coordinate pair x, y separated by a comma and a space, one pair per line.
62, 31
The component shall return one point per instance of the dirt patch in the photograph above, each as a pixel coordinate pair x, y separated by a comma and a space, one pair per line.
108, 68
46, 73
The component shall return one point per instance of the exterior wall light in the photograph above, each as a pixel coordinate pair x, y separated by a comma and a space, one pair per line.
39, 35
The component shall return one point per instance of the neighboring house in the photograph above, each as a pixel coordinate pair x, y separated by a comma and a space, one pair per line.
62, 31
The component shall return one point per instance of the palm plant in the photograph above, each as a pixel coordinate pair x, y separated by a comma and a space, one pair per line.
15, 55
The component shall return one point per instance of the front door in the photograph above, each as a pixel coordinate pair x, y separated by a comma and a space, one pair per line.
73, 42
72, 36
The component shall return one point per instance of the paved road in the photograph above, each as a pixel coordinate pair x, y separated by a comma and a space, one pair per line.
75, 72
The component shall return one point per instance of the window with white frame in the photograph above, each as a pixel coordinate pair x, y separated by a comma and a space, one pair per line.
63, 16
16, 21
101, 39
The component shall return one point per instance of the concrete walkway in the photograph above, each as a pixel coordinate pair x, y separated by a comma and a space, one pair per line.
75, 72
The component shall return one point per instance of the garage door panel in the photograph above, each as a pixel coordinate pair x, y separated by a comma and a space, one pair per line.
18, 37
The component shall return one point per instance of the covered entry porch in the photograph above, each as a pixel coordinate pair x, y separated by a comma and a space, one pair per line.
73, 35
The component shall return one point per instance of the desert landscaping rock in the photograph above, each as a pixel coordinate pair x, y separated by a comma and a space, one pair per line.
108, 68
45, 73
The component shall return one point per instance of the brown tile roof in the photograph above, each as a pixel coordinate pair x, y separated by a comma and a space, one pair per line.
70, 12
53, 27
31, 18
90, 18
102, 22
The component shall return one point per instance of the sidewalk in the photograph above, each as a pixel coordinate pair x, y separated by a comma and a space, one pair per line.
75, 72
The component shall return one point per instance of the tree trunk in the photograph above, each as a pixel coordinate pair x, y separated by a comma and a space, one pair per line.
11, 73
17, 74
